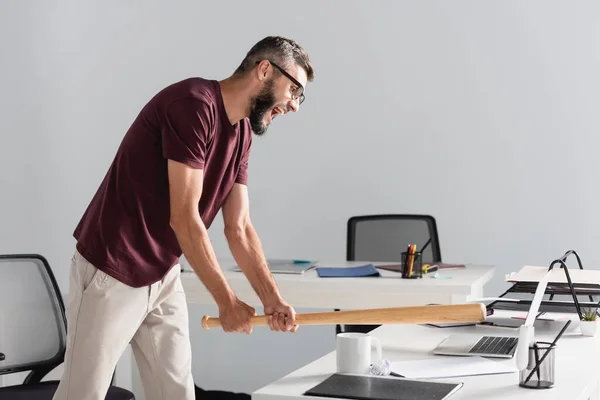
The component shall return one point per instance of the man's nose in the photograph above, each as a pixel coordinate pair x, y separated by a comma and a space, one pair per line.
293, 105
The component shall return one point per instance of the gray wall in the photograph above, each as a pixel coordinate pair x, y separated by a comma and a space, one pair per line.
482, 114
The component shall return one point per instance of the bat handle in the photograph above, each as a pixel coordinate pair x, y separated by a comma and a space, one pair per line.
214, 322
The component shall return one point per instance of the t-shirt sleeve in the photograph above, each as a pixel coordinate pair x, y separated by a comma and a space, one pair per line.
186, 131
242, 175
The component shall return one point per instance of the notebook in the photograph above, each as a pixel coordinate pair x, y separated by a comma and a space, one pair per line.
277, 266
342, 272
371, 387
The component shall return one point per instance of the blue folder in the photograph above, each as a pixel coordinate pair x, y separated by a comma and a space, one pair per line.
345, 272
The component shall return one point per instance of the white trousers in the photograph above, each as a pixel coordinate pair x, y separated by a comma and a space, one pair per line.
105, 315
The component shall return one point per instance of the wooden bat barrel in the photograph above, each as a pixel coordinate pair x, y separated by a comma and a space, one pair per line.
443, 313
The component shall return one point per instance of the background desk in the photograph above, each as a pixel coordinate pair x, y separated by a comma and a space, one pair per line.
577, 365
228, 362
388, 290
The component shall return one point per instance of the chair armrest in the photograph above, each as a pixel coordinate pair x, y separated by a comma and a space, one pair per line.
2, 356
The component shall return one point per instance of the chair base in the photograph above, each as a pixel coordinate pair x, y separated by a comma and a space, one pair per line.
45, 391
219, 395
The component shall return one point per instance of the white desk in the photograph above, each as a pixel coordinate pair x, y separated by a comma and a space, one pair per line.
312, 292
388, 290
577, 365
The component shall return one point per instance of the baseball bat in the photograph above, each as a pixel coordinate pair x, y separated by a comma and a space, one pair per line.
443, 313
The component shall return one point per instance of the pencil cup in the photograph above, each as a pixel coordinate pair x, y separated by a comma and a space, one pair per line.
412, 265
539, 373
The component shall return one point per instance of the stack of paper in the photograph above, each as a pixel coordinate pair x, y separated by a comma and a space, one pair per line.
534, 274
448, 367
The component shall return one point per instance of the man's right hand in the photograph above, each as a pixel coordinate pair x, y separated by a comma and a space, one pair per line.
235, 317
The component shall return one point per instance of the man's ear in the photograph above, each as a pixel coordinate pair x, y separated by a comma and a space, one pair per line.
262, 70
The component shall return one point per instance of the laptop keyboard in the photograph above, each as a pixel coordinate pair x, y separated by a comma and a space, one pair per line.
494, 345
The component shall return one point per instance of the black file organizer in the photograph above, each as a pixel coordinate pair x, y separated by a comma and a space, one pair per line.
553, 289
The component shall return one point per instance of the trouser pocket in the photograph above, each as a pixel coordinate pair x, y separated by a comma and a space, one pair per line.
87, 276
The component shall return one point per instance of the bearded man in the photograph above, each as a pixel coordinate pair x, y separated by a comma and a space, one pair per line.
184, 158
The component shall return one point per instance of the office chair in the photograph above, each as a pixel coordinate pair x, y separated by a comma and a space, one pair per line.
33, 328
384, 237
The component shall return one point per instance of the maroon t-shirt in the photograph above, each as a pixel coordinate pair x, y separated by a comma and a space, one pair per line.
125, 230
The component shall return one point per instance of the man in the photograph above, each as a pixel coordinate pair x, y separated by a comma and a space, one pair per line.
184, 158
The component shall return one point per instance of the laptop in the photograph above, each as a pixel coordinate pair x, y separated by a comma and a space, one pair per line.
500, 346
493, 346
296, 267
484, 346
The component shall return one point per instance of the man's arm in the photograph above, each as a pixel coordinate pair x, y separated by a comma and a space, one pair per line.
246, 248
185, 188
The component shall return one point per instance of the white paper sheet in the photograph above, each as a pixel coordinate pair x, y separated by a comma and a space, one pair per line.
450, 366
534, 274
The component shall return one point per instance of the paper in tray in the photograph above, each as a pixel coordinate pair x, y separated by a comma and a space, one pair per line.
534, 274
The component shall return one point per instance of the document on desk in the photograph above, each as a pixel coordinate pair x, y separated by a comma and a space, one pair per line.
348, 272
277, 266
450, 367
534, 274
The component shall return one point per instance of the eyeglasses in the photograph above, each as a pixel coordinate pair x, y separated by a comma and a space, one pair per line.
298, 93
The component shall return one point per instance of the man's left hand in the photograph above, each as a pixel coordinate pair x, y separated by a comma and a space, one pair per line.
282, 317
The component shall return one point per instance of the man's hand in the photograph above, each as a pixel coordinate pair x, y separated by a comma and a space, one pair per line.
282, 317
235, 317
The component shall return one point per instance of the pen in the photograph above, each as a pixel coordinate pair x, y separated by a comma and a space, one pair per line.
408, 251
406, 263
537, 359
538, 363
425, 245
412, 259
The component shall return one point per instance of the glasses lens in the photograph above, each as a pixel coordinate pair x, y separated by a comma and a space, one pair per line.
300, 94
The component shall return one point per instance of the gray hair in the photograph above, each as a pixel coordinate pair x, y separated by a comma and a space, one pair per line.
282, 51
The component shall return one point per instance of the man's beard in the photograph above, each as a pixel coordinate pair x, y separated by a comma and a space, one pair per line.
261, 104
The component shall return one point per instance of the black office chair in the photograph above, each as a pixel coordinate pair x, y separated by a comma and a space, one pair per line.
384, 237
33, 328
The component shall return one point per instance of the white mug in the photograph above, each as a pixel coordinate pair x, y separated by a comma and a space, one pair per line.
354, 352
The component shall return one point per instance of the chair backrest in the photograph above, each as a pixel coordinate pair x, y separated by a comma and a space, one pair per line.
32, 314
384, 237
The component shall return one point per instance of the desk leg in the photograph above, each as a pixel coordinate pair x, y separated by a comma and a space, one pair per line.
595, 395
476, 293
459, 298
338, 327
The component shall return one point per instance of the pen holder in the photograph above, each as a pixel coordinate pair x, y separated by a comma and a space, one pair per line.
539, 373
412, 265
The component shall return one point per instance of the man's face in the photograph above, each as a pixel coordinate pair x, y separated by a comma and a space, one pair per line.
277, 96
